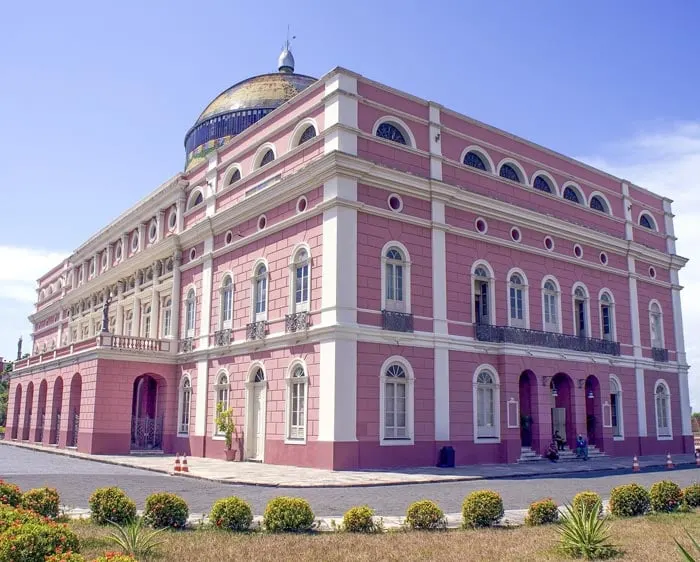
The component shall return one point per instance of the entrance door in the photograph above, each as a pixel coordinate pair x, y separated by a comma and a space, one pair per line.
257, 443
559, 421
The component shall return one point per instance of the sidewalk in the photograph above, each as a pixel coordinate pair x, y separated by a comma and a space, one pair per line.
258, 474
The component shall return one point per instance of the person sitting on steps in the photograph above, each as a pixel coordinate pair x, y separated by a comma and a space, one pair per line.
582, 447
561, 442
552, 453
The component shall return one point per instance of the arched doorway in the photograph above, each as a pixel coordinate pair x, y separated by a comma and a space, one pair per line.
76, 391
28, 403
41, 412
563, 412
15, 416
528, 408
56, 402
593, 406
147, 413
256, 408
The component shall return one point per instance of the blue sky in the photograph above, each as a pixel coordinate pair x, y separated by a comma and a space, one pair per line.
95, 97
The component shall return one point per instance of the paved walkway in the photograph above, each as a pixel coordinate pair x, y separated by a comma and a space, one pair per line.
258, 474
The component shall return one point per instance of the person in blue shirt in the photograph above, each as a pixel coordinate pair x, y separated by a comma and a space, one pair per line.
582, 447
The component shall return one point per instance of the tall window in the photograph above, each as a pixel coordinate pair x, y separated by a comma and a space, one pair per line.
517, 293
663, 410
222, 390
607, 317
297, 403
128, 322
656, 326
616, 407
300, 271
185, 401
550, 298
486, 400
394, 266
260, 289
167, 316
580, 316
190, 306
395, 403
481, 296
226, 302
146, 321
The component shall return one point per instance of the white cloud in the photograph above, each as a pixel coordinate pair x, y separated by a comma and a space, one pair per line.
665, 158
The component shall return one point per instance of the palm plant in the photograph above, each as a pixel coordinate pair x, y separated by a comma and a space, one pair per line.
584, 534
687, 557
136, 540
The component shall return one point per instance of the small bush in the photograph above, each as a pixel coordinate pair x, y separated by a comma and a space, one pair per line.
588, 499
666, 496
114, 557
425, 515
10, 494
111, 504
34, 542
359, 520
284, 514
629, 500
66, 557
542, 512
166, 510
14, 516
232, 514
691, 495
44, 501
482, 508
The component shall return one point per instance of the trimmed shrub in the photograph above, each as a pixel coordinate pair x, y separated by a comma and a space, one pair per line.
589, 499
292, 515
66, 557
232, 514
482, 508
542, 512
34, 542
425, 515
164, 509
111, 504
44, 501
12, 516
359, 520
629, 500
665, 496
691, 495
10, 494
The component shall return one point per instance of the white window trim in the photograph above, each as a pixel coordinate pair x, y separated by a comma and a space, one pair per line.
522, 176
218, 385
193, 197
164, 311
582, 200
260, 153
290, 381
180, 412
189, 332
550, 179
146, 310
525, 287
262, 316
299, 130
249, 397
481, 153
606, 203
651, 218
621, 410
229, 173
613, 316
496, 405
400, 125
304, 306
660, 437
661, 322
406, 276
410, 415
557, 301
587, 308
492, 291
225, 324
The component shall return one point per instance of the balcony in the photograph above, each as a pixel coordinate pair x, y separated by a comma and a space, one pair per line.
659, 354
130, 343
186, 345
223, 337
256, 330
397, 321
296, 322
522, 336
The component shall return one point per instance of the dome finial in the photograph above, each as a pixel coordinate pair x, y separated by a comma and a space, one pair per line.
285, 62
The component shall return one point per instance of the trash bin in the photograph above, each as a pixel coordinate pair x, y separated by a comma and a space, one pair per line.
447, 457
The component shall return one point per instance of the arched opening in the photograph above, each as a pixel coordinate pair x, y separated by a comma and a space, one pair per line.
147, 412
562, 407
28, 403
41, 412
256, 409
593, 407
57, 401
75, 397
528, 409
17, 406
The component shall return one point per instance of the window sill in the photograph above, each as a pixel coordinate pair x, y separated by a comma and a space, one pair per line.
487, 440
183, 434
618, 437
664, 437
395, 442
289, 441
216, 437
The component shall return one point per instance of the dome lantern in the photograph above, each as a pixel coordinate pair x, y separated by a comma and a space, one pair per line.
285, 62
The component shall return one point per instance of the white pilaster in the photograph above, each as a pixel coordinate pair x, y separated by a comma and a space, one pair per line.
641, 402
634, 308
160, 225
210, 194
142, 237
435, 142
108, 251
442, 393
337, 411
155, 312
119, 325
205, 313
442, 357
670, 230
180, 208
627, 207
175, 303
340, 114
677, 318
200, 413
136, 326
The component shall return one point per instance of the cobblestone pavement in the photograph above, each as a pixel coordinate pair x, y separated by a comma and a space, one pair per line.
76, 478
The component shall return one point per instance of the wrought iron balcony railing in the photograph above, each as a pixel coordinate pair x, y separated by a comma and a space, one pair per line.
186, 345
397, 321
659, 354
223, 337
522, 336
256, 330
296, 322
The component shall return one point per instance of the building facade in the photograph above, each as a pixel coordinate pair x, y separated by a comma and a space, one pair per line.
364, 277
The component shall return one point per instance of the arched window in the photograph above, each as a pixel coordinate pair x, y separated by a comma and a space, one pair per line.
550, 306
235, 176
396, 403
517, 301
128, 322
597, 204
482, 295
301, 280
486, 402
607, 317
663, 410
185, 401
395, 266
296, 403
167, 316
268, 157
571, 195
646, 221
222, 391
260, 293
542, 184
190, 307
508, 172
259, 375
226, 302
391, 132
656, 326
581, 312
616, 407
195, 199
473, 160
307, 135
146, 321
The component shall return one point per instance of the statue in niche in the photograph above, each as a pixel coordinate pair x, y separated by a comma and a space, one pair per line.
105, 313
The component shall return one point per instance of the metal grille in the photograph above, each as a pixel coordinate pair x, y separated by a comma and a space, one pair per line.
256, 330
397, 321
659, 354
474, 160
389, 132
223, 337
146, 433
187, 345
75, 428
296, 322
56, 429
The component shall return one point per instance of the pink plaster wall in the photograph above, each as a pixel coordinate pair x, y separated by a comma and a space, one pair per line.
412, 206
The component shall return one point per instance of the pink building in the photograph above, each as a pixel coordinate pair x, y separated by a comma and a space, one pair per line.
365, 277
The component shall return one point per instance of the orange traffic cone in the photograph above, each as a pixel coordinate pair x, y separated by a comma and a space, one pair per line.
697, 458
184, 467
177, 463
669, 462
635, 464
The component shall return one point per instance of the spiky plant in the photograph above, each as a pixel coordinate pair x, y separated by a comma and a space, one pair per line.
136, 540
687, 557
584, 534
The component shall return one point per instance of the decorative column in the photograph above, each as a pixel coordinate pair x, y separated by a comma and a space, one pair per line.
160, 225
136, 326
175, 303
205, 308
142, 235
